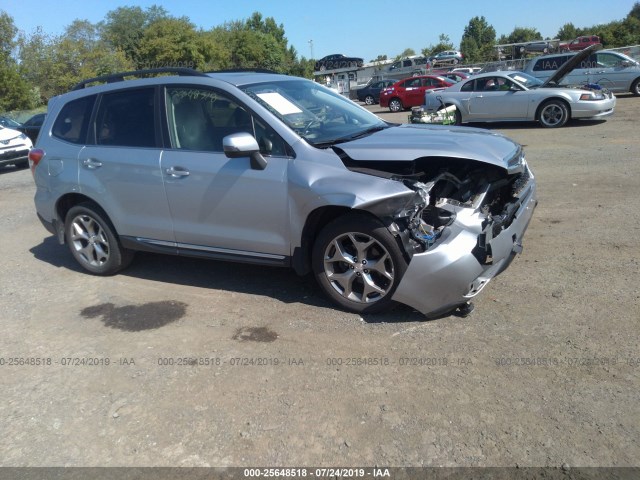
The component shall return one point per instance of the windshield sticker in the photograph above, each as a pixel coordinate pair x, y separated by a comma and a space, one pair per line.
520, 79
279, 103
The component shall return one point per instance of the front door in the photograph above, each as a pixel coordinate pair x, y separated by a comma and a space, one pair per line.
219, 204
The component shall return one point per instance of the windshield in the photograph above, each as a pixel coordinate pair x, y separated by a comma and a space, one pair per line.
314, 112
525, 79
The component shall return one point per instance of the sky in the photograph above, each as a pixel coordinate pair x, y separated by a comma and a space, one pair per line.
354, 28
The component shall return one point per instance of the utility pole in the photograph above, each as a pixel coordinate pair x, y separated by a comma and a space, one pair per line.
311, 47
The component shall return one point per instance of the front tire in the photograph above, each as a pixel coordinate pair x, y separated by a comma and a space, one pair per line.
395, 105
92, 240
635, 87
358, 263
553, 114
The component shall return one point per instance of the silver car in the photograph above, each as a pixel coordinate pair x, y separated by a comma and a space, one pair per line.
516, 96
611, 70
276, 170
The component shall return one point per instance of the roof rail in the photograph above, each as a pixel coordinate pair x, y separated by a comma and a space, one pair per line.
241, 70
119, 77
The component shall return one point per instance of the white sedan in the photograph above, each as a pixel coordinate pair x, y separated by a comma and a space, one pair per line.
516, 96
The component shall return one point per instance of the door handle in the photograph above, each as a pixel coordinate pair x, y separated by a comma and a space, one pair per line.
601, 71
177, 172
91, 163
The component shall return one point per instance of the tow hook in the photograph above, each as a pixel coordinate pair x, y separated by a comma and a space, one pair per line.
465, 309
517, 247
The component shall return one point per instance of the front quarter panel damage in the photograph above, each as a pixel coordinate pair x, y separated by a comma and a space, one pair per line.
463, 225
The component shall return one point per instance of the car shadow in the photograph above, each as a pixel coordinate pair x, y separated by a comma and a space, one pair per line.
281, 284
10, 169
530, 125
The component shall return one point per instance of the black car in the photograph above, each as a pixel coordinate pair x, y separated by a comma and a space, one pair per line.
337, 60
32, 126
370, 94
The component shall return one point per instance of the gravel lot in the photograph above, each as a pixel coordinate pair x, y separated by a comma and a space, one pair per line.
182, 362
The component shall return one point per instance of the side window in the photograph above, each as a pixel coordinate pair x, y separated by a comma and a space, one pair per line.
126, 119
200, 118
467, 87
608, 60
73, 121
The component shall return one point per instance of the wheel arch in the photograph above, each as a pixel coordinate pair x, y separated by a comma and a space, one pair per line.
70, 200
315, 222
548, 99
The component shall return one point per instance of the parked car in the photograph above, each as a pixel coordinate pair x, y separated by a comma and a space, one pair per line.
337, 60
455, 76
370, 94
9, 123
277, 170
579, 43
517, 96
468, 70
539, 46
450, 56
409, 92
32, 126
407, 67
14, 147
611, 70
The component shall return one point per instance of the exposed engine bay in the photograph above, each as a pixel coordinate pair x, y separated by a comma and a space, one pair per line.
445, 186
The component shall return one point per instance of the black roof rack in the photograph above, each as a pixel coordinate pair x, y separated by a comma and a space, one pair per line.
119, 77
242, 70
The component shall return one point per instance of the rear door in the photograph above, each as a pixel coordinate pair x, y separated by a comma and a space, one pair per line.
120, 166
221, 205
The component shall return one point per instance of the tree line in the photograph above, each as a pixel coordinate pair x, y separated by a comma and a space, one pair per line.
36, 66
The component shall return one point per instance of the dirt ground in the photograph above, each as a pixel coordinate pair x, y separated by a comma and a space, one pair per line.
183, 362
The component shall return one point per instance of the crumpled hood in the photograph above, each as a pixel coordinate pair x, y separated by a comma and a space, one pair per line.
408, 142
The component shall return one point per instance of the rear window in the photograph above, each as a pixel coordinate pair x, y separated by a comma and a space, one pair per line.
73, 121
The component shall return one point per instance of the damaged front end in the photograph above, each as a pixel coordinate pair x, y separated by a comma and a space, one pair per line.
462, 227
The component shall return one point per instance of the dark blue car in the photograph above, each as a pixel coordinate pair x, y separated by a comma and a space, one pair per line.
370, 94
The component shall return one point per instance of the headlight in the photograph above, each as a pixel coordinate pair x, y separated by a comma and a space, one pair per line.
592, 96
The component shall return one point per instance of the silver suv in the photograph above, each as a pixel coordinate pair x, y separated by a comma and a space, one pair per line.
278, 170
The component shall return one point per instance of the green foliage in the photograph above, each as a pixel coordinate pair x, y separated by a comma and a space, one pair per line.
408, 52
567, 32
521, 35
478, 40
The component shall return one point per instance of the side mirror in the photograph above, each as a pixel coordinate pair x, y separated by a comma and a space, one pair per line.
242, 144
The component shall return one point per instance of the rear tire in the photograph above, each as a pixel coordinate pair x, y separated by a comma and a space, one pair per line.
369, 100
93, 242
358, 263
635, 87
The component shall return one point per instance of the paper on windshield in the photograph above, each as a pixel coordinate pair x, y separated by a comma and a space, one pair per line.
279, 103
519, 79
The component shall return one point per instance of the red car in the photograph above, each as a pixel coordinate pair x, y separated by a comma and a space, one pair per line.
579, 43
409, 92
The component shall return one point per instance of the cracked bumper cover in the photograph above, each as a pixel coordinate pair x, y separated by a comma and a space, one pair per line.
449, 274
